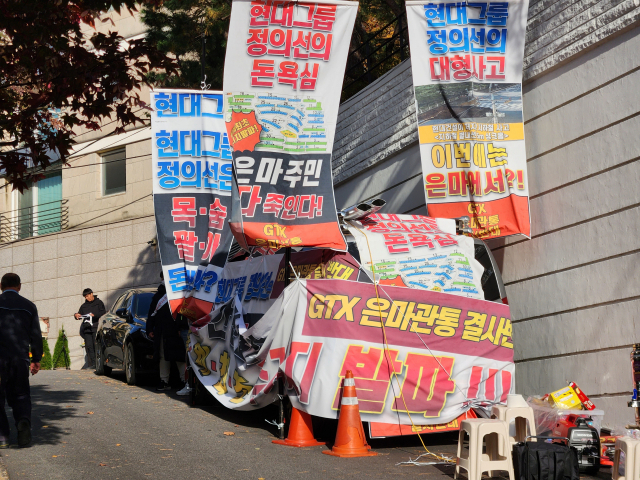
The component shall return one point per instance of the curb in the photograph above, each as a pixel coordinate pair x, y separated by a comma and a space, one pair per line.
4, 475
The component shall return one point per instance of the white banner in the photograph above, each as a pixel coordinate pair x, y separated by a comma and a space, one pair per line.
282, 83
419, 252
446, 351
466, 61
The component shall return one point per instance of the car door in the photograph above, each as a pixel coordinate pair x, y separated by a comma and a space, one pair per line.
111, 320
121, 327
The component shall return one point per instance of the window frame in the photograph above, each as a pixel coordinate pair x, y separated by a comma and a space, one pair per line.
104, 161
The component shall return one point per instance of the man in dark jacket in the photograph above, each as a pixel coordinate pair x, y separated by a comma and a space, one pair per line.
168, 344
94, 308
19, 329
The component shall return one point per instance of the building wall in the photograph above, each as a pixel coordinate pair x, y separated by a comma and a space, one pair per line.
572, 288
55, 268
82, 186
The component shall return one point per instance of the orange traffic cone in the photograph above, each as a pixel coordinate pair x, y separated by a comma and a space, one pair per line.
350, 439
300, 431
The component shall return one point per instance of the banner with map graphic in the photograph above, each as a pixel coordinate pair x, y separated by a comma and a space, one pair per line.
282, 82
418, 252
466, 61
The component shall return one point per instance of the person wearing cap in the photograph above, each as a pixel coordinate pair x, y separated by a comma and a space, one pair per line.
19, 331
94, 308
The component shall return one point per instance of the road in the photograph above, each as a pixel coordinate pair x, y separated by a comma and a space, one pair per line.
91, 427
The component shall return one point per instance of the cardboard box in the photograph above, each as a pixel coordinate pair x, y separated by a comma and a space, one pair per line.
586, 403
566, 399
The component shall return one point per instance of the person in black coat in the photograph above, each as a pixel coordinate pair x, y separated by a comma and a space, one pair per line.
168, 344
19, 330
93, 307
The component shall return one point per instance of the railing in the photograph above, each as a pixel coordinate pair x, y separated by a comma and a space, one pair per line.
377, 53
39, 219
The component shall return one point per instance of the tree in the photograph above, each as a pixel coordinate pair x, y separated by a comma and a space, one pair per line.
61, 355
56, 78
46, 364
178, 28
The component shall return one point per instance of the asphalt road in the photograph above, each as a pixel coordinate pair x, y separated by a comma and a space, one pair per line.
90, 427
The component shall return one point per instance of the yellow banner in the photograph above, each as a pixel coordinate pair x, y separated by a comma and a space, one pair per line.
479, 132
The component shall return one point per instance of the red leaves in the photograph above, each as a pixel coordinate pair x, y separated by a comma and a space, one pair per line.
51, 83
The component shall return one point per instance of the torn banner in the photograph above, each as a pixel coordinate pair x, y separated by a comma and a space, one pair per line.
192, 177
283, 70
445, 349
466, 61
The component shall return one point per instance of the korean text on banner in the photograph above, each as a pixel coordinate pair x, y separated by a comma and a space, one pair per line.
282, 77
466, 60
445, 350
192, 180
419, 252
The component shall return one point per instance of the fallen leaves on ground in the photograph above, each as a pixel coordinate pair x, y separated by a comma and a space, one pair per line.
229, 433
102, 464
89, 413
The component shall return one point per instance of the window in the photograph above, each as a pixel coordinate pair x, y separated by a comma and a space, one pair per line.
143, 304
114, 172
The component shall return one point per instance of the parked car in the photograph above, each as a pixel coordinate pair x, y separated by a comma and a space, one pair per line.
122, 341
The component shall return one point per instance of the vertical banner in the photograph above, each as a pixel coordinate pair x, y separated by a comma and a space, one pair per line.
466, 60
192, 183
282, 82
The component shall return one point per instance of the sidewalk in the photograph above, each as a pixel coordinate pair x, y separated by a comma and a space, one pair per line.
90, 427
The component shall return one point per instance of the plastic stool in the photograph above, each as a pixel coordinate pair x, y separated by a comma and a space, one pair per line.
522, 415
497, 434
631, 448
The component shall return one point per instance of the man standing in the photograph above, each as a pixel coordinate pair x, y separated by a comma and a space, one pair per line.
19, 329
94, 308
168, 344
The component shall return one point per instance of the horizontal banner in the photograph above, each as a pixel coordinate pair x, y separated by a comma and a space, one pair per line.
446, 351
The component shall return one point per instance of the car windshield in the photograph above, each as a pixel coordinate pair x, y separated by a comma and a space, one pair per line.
142, 304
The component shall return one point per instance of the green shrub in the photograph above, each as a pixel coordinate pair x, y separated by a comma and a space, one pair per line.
46, 363
61, 359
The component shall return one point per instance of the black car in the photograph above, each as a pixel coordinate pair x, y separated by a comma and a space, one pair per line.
121, 340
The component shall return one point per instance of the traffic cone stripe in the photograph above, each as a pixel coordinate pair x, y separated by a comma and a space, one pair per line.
349, 382
349, 401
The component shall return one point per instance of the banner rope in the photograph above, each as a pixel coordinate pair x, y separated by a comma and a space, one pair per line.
390, 361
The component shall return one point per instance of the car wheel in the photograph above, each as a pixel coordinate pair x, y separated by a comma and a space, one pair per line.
101, 368
129, 364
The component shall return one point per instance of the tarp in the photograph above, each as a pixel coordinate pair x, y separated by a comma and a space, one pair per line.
447, 351
466, 61
192, 177
283, 70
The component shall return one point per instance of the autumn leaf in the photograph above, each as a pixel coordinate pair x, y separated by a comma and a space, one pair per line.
89, 413
229, 433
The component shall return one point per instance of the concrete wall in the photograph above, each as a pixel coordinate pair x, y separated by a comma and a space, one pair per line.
82, 186
55, 268
573, 287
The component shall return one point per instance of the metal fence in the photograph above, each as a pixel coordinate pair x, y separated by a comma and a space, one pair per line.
377, 53
39, 219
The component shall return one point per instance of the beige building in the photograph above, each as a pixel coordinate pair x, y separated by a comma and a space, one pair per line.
87, 224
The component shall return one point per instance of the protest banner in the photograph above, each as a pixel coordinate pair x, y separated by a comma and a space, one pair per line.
192, 182
446, 351
466, 61
283, 69
418, 252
